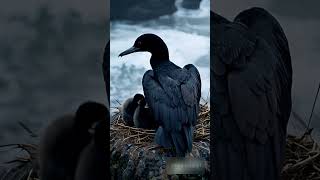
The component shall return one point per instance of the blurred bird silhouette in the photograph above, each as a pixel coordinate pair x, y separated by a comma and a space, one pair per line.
251, 77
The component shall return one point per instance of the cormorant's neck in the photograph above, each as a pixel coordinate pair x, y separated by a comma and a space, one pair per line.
159, 55
156, 62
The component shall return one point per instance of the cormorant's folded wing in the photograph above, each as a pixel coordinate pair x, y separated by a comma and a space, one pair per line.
191, 91
167, 100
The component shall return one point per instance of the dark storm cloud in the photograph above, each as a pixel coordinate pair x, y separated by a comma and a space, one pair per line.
300, 21
50, 61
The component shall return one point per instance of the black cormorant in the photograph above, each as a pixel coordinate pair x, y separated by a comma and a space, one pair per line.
172, 93
251, 77
64, 139
128, 108
143, 117
93, 161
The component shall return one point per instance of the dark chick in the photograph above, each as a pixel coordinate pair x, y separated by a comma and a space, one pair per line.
143, 117
64, 139
172, 93
93, 161
128, 108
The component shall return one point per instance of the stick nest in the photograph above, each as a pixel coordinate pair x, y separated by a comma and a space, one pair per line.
138, 136
134, 155
302, 158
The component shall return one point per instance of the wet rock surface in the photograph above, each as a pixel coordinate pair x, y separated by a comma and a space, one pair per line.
148, 162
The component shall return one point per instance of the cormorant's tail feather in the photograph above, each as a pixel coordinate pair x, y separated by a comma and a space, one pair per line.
188, 131
179, 141
162, 138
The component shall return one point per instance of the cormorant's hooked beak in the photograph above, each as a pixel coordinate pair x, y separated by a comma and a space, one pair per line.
129, 51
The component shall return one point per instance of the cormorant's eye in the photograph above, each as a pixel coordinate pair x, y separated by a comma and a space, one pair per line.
139, 43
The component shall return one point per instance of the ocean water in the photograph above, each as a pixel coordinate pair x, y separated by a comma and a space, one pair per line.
187, 35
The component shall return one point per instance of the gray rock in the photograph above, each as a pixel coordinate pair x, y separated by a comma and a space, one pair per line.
141, 168
151, 174
128, 173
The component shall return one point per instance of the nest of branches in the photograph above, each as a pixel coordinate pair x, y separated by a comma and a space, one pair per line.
119, 131
302, 158
134, 155
22, 167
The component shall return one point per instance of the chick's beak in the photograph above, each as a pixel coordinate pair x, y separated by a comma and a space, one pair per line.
139, 102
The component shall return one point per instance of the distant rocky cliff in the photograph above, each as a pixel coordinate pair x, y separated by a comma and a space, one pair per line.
191, 4
136, 10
